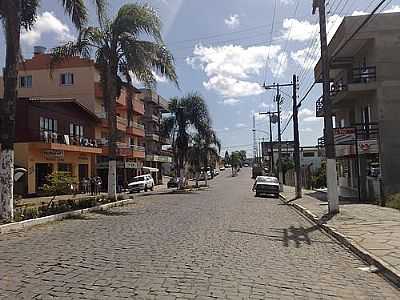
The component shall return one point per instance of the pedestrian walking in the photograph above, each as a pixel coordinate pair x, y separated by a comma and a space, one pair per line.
92, 186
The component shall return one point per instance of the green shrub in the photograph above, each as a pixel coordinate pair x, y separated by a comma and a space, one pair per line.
59, 183
393, 201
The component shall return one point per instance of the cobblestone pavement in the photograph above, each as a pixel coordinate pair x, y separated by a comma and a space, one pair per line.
218, 243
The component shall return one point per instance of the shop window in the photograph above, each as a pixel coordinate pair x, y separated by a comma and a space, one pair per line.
62, 167
308, 154
25, 81
75, 130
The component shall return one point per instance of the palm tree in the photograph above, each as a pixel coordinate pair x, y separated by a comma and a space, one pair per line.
14, 15
187, 113
196, 156
211, 149
129, 43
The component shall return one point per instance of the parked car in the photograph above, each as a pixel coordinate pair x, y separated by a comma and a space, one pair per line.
202, 175
245, 165
141, 183
265, 185
173, 182
222, 168
216, 172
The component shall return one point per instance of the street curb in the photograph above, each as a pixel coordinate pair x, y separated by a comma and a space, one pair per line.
384, 268
27, 224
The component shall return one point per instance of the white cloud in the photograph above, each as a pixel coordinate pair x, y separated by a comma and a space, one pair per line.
230, 67
241, 125
233, 21
305, 112
307, 58
264, 105
311, 119
287, 2
46, 23
226, 128
297, 30
230, 101
394, 8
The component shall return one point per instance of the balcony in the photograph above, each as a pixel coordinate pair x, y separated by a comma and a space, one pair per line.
136, 129
153, 136
138, 151
60, 142
159, 158
122, 123
363, 80
138, 107
165, 140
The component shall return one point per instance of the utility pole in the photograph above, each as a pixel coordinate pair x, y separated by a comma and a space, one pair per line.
271, 159
254, 140
333, 198
279, 165
296, 139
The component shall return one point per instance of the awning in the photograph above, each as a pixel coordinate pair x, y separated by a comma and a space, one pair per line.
151, 169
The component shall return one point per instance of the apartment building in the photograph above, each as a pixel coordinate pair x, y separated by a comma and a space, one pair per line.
53, 135
158, 159
365, 94
78, 79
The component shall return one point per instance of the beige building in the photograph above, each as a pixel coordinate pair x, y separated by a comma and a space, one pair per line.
156, 157
365, 94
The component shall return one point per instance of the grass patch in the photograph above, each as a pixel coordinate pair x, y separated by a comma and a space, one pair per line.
393, 201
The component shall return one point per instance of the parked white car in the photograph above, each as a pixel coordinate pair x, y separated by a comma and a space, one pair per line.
266, 185
141, 183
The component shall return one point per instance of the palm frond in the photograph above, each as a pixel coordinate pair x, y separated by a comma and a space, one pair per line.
28, 13
137, 19
77, 10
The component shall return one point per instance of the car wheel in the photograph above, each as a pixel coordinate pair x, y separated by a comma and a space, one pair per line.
277, 196
152, 187
257, 194
145, 188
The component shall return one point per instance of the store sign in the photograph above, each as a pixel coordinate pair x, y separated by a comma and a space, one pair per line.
130, 165
368, 147
344, 136
344, 150
53, 154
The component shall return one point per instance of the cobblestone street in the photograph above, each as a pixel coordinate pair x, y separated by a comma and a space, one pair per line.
216, 243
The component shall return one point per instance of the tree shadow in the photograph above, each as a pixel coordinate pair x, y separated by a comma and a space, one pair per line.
289, 236
111, 213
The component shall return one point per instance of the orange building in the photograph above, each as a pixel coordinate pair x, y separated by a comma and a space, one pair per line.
78, 79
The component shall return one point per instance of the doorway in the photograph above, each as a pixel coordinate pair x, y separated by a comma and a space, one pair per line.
83, 171
41, 172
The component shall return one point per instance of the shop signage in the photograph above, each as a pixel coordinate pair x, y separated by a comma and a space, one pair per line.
83, 158
368, 147
120, 165
344, 136
53, 154
130, 165
344, 150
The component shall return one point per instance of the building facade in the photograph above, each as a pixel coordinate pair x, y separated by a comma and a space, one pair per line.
53, 135
78, 79
365, 91
158, 159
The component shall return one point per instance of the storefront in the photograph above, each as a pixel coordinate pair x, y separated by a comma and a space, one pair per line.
42, 159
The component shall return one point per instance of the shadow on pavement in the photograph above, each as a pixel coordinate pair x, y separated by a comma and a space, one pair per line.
288, 236
112, 213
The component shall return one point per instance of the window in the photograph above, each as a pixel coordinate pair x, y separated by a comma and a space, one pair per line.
25, 81
48, 129
75, 130
308, 154
67, 79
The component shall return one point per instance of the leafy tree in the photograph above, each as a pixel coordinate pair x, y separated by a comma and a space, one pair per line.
130, 43
14, 16
235, 160
59, 183
187, 114
227, 157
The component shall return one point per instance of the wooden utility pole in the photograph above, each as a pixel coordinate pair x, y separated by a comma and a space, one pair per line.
296, 139
331, 173
279, 164
272, 165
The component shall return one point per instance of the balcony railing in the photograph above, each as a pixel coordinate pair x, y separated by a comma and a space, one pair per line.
65, 139
364, 74
138, 148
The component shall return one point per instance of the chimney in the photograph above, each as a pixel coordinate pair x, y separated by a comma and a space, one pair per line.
39, 50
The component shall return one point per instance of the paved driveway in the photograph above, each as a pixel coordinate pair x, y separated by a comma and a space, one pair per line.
218, 243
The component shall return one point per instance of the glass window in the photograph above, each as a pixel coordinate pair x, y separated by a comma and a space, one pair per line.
25, 81
308, 154
67, 79
71, 129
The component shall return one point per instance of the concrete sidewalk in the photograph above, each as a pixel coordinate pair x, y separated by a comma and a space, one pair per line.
371, 231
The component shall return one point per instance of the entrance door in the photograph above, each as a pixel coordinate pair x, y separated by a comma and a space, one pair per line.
83, 171
42, 171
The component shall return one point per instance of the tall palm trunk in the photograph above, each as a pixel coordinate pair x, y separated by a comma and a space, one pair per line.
112, 140
7, 109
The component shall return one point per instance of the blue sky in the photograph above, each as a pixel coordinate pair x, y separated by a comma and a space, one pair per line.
225, 49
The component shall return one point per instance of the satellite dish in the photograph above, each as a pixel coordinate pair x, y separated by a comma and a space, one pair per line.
18, 173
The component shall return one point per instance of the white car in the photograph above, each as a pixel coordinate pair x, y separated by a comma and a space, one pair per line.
141, 183
266, 185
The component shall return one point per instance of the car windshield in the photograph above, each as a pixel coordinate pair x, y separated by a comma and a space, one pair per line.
267, 179
137, 179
